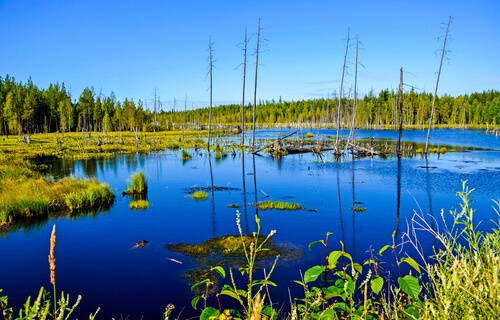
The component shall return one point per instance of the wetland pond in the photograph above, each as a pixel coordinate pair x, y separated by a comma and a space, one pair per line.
95, 254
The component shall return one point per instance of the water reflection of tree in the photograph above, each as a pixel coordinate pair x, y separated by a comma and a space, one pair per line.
214, 229
398, 202
245, 210
340, 204
255, 186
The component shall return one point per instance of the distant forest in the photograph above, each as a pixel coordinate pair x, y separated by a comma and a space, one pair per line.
26, 108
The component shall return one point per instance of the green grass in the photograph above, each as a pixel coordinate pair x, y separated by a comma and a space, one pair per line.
235, 206
199, 195
309, 135
137, 184
139, 205
279, 205
36, 196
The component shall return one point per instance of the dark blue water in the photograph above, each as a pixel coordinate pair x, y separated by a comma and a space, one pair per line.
94, 254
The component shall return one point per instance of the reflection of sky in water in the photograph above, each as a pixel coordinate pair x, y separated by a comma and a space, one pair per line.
94, 256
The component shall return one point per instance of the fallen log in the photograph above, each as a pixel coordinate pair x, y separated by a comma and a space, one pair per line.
279, 139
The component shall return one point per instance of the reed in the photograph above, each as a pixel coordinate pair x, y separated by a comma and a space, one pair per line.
137, 184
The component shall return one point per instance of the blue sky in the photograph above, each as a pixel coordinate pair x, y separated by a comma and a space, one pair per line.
131, 47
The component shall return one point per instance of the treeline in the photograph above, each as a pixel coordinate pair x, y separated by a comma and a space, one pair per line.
372, 111
26, 108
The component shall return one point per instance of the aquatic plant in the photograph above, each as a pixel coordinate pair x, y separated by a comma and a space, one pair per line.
185, 155
358, 208
233, 206
309, 135
199, 195
279, 205
137, 184
139, 205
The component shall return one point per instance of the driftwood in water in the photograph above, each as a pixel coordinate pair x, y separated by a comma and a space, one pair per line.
277, 144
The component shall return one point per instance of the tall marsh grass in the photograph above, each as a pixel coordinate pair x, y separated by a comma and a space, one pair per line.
25, 193
137, 184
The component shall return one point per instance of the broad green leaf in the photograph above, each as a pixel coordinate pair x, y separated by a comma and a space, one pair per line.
357, 267
194, 302
328, 314
313, 273
411, 262
377, 283
200, 283
315, 242
269, 312
410, 286
232, 294
220, 271
333, 258
369, 262
348, 256
209, 312
342, 306
383, 249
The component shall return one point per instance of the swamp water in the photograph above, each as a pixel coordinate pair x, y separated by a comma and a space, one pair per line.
96, 259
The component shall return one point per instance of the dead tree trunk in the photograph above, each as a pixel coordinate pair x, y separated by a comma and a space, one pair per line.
353, 128
244, 78
210, 72
437, 83
340, 97
255, 89
400, 111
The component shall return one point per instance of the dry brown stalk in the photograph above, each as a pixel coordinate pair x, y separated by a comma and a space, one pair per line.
52, 260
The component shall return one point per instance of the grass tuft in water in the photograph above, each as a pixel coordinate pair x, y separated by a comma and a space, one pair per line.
137, 184
186, 155
309, 135
279, 205
235, 206
199, 195
139, 205
358, 209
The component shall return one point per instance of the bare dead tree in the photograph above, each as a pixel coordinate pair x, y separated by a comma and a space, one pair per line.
210, 73
244, 79
437, 83
340, 97
353, 128
400, 111
255, 89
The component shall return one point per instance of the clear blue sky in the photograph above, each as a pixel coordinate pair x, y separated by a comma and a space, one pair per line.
131, 47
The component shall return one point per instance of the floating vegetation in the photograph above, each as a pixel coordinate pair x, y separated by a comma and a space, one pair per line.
141, 244
137, 184
219, 154
219, 248
199, 195
208, 188
139, 205
358, 209
279, 205
185, 155
309, 135
235, 206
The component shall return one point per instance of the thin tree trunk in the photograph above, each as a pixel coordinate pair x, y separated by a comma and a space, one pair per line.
437, 83
400, 111
255, 90
243, 99
210, 114
353, 128
340, 97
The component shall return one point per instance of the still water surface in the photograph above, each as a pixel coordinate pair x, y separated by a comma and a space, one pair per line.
94, 254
